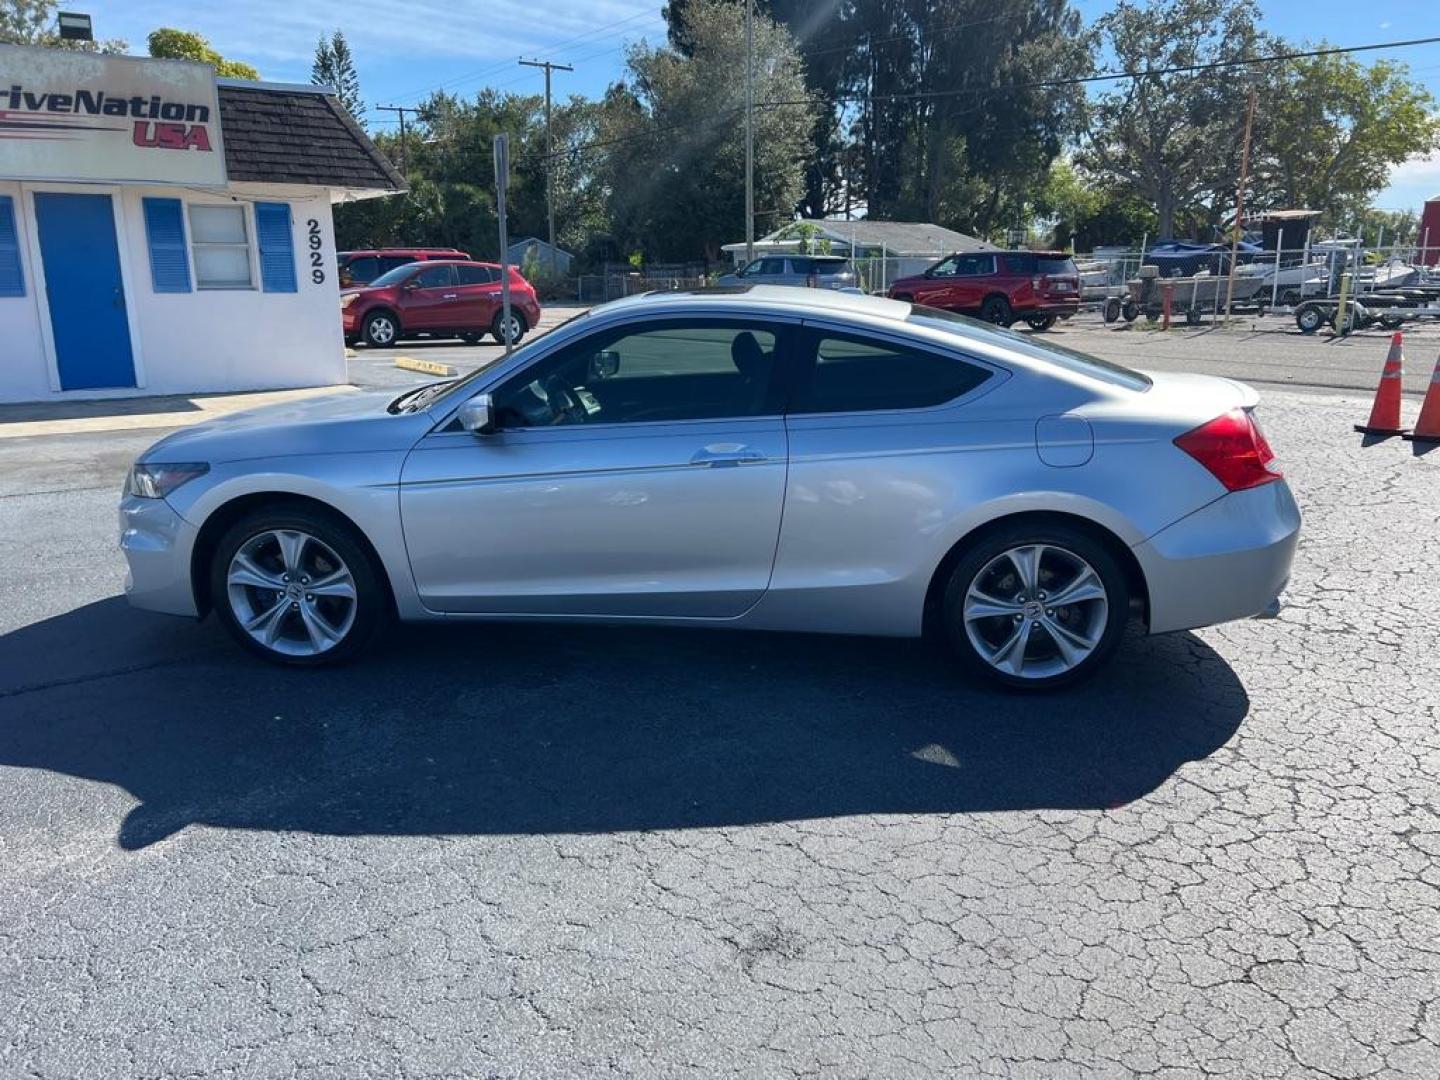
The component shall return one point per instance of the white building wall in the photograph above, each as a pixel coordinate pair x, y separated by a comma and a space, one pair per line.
203, 341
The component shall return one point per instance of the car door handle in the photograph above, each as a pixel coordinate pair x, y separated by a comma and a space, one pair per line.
447, 296
723, 454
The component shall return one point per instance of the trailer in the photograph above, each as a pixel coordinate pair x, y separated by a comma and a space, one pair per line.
1192, 297
1390, 308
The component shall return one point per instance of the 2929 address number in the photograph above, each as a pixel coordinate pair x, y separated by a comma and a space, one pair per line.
317, 260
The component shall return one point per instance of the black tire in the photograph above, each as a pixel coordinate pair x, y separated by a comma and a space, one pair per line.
904, 299
472, 339
1310, 317
381, 329
1066, 542
1130, 311
372, 606
1040, 323
996, 309
1192, 317
1112, 309
1392, 322
499, 334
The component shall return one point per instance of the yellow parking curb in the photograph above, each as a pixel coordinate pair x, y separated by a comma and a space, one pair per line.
425, 367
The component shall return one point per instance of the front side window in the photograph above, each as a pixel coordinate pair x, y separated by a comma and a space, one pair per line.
853, 374
435, 277
974, 265
693, 369
220, 243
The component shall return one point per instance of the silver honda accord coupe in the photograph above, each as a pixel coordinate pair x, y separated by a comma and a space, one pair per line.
751, 457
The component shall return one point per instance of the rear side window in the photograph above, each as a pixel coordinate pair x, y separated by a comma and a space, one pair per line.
853, 374
1054, 267
477, 275
802, 266
390, 262
1020, 264
831, 267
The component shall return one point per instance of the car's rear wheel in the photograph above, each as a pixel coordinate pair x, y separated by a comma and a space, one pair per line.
1035, 607
996, 309
381, 329
516, 328
1040, 322
471, 339
296, 586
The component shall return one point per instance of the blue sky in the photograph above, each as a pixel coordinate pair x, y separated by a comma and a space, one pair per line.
406, 48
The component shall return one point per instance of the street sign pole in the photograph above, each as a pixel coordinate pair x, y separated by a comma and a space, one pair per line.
502, 182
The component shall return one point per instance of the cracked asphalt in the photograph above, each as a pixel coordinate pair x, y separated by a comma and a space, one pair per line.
530, 852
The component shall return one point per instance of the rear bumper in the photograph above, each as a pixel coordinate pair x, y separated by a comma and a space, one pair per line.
157, 543
1230, 560
1062, 308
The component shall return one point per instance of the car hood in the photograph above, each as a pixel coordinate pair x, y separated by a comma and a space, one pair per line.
345, 421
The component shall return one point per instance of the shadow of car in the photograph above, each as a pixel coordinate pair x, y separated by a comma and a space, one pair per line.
519, 729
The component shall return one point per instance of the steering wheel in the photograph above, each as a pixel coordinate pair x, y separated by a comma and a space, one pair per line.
565, 407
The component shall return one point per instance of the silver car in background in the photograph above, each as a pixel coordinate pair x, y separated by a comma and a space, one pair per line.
766, 458
815, 271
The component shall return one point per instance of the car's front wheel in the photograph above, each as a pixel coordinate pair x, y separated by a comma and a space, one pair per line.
381, 329
295, 586
1035, 607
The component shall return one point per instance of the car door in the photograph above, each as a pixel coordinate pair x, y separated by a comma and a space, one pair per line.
638, 471
880, 445
428, 299
936, 288
974, 278
479, 297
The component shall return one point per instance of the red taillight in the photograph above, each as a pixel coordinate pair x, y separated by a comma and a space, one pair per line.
1233, 449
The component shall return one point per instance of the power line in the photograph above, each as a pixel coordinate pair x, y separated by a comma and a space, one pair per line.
402, 110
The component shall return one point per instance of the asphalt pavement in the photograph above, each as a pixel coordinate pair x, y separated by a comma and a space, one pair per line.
557, 852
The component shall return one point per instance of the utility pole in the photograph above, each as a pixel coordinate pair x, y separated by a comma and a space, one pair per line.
1240, 199
749, 132
402, 110
502, 189
549, 150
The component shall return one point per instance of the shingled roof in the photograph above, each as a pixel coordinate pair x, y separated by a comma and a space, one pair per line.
298, 135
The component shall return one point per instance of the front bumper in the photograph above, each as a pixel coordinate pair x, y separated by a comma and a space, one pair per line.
1229, 560
157, 544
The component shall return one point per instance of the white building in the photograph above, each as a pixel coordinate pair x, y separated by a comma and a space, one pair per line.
165, 232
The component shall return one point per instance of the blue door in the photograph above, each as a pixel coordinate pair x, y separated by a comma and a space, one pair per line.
87, 297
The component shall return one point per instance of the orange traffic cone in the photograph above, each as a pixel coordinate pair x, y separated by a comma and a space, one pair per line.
1385, 414
1427, 428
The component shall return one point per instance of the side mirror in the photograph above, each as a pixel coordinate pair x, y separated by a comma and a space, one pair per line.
411, 284
477, 415
604, 364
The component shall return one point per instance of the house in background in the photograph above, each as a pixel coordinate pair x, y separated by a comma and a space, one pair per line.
545, 256
882, 250
165, 232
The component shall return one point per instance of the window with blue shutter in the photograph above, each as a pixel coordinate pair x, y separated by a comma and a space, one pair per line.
165, 233
277, 246
12, 277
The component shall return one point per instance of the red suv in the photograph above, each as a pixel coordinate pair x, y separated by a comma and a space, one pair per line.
1001, 287
437, 299
363, 267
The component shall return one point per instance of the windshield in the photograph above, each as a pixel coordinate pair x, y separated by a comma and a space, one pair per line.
1070, 359
394, 277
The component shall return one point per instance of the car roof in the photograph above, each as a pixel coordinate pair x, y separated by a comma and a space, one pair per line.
766, 297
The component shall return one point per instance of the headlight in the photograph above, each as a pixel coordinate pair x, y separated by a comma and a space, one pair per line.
347, 300
155, 480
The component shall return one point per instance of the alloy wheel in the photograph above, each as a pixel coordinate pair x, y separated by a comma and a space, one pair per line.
382, 331
291, 592
1035, 611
